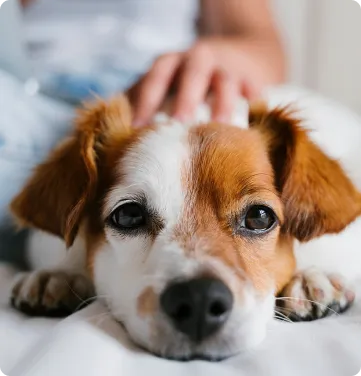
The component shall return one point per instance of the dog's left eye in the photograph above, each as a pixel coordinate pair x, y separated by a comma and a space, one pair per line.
129, 216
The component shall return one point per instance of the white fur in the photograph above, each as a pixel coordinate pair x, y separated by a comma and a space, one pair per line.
152, 170
334, 253
47, 252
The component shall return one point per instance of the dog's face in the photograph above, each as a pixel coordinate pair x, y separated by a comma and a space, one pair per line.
189, 229
188, 239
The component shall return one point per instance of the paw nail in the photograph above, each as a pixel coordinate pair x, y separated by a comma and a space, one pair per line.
350, 296
337, 285
318, 294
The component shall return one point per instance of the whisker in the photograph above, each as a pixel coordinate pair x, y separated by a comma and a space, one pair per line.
91, 318
283, 317
83, 302
284, 320
102, 318
86, 301
308, 300
285, 309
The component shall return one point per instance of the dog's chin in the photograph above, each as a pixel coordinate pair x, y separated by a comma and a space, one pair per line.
181, 357
195, 357
189, 355
186, 351
178, 357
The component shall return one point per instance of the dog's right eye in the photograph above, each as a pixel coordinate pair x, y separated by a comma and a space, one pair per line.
129, 216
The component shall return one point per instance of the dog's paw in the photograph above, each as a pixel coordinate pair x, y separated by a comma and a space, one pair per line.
51, 293
313, 294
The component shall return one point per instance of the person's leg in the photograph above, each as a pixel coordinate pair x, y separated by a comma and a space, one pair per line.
29, 127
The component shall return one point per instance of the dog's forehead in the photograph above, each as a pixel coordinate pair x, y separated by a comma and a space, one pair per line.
169, 159
153, 166
227, 152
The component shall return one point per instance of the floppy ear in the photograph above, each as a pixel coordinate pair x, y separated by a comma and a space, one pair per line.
318, 197
56, 196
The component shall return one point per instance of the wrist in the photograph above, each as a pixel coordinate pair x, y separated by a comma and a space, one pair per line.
268, 46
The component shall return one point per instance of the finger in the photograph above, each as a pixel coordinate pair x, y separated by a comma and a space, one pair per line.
153, 88
132, 92
251, 90
194, 83
225, 93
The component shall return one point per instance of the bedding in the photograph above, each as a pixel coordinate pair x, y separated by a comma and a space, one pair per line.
91, 343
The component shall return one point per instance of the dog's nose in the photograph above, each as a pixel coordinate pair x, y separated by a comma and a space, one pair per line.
197, 308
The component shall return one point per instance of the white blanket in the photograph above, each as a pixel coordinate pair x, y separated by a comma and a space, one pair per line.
91, 343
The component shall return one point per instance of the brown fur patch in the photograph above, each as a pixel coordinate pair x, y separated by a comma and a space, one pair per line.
94, 240
284, 262
230, 170
275, 158
147, 302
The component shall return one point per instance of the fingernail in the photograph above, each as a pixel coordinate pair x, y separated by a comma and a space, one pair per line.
319, 294
180, 117
350, 296
222, 118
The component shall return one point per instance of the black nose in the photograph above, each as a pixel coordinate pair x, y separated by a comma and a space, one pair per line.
197, 308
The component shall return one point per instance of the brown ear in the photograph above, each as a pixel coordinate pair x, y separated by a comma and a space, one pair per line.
56, 196
318, 196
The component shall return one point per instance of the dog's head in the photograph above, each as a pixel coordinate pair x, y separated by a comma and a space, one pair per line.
189, 229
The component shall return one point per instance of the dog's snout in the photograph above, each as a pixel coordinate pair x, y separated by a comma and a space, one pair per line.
197, 308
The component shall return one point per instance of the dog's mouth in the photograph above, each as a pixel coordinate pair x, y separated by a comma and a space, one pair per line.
180, 358
191, 358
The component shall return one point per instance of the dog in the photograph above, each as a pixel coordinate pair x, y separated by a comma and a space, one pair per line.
186, 231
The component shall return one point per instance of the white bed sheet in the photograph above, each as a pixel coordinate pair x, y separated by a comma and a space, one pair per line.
91, 343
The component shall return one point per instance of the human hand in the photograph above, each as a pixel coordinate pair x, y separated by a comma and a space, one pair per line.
226, 67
